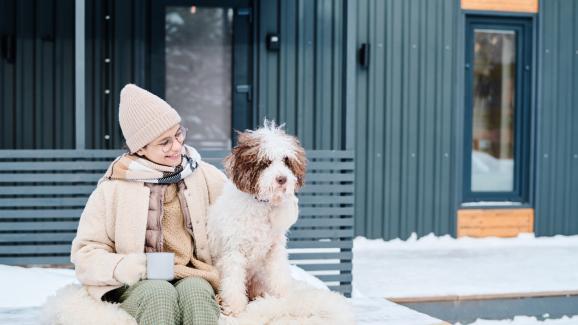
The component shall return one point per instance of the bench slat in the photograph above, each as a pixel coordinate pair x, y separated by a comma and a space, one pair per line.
321, 233
320, 256
333, 188
318, 154
52, 178
35, 249
35, 260
325, 211
44, 202
37, 237
49, 153
347, 277
42, 225
325, 266
300, 244
47, 189
344, 288
54, 165
330, 165
326, 199
329, 177
41, 214
323, 222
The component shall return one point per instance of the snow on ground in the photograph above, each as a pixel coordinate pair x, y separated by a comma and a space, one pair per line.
29, 287
24, 291
429, 266
440, 266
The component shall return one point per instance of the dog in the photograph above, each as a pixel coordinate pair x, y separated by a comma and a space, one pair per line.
247, 224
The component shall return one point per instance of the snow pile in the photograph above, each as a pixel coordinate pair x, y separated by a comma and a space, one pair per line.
29, 287
442, 266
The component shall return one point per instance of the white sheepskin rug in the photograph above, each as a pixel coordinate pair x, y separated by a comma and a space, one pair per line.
73, 305
305, 305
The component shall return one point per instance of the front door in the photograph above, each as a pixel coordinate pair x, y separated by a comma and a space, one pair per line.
201, 64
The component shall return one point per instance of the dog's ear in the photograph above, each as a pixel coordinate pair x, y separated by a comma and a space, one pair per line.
243, 166
298, 164
229, 162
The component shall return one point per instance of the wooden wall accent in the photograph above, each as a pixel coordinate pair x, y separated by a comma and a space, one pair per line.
501, 5
494, 222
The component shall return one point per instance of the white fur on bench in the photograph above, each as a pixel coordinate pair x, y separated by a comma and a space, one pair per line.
309, 303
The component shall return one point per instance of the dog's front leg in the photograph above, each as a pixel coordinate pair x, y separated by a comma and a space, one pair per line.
283, 216
278, 272
233, 288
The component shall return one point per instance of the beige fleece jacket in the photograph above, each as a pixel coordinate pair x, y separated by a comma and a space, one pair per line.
114, 221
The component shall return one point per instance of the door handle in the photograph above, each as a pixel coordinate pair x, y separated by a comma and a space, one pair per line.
245, 89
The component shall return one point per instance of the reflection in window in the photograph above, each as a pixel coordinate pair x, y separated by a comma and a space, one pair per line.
494, 84
199, 72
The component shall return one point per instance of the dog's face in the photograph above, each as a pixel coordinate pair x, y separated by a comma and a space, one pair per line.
267, 163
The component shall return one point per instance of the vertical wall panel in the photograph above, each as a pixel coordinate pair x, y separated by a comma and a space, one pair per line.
302, 84
116, 54
557, 153
37, 94
404, 110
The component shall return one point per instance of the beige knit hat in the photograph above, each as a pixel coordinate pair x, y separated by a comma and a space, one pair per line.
143, 116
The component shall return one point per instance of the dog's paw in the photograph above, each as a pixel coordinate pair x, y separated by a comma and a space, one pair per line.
234, 307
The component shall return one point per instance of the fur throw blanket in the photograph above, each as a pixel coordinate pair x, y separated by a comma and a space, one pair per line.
305, 305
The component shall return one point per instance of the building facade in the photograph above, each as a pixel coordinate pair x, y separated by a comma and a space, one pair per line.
461, 113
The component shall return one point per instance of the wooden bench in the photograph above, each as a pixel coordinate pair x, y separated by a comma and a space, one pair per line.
43, 193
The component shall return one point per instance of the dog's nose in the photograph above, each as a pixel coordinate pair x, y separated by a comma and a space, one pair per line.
281, 180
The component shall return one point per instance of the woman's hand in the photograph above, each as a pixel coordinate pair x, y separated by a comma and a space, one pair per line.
131, 269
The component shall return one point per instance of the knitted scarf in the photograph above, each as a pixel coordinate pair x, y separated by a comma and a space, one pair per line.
134, 168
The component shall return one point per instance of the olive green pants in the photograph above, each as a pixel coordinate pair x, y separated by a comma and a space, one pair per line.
187, 301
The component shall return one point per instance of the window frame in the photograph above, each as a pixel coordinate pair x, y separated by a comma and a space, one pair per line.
522, 107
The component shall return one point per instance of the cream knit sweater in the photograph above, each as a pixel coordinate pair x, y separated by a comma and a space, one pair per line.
176, 239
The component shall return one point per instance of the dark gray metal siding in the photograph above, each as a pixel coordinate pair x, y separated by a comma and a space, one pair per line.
37, 92
302, 84
404, 111
122, 40
557, 141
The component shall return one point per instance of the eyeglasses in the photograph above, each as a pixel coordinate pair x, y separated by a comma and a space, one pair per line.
167, 144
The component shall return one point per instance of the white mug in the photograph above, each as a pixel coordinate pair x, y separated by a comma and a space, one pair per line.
160, 266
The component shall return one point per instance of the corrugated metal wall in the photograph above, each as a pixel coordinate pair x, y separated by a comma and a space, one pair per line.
557, 153
404, 118
302, 84
37, 70
115, 54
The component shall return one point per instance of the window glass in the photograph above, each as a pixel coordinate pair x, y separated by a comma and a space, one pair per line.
494, 96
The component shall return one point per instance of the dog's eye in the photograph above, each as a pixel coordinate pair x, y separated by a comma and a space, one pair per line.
286, 161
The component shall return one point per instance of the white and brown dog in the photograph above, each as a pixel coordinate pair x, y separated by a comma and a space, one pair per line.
247, 225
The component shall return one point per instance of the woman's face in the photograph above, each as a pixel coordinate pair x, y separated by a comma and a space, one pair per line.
166, 149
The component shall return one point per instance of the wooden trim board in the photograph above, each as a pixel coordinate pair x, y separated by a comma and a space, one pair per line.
529, 6
537, 294
494, 222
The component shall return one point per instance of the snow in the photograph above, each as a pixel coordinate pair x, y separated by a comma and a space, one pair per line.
426, 267
29, 287
443, 266
24, 290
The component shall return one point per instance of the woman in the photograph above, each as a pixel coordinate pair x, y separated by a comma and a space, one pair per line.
152, 199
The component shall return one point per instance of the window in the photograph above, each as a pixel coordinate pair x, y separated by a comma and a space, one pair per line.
498, 61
